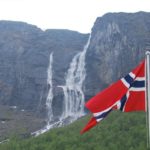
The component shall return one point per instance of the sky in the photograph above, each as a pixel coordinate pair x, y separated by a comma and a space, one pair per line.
78, 15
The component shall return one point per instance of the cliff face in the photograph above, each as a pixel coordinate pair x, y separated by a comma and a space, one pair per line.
24, 59
118, 44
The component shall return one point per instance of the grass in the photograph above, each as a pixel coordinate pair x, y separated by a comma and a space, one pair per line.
119, 131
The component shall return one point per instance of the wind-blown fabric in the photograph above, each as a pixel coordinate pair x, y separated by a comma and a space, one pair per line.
127, 94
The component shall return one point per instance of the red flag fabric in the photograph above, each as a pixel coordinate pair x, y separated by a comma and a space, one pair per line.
127, 94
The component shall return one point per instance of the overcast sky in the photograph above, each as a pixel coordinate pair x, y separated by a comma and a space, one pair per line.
76, 15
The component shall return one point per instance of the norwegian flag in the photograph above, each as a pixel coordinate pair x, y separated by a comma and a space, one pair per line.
127, 94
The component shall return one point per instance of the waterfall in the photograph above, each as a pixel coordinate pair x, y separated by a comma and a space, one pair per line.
50, 92
49, 99
73, 105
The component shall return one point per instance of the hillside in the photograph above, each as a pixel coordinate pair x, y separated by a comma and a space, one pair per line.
119, 131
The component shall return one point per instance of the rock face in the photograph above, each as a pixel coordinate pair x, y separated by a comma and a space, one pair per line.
118, 44
24, 59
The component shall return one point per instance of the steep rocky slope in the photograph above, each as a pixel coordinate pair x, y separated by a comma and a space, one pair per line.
118, 44
24, 60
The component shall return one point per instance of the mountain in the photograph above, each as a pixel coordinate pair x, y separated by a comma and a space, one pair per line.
118, 44
24, 58
24, 52
76, 65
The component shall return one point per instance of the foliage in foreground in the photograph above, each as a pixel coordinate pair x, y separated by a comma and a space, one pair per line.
119, 131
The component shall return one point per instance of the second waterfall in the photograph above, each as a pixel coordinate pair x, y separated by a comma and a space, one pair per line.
73, 105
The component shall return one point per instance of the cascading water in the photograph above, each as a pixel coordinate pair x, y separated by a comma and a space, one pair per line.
49, 99
73, 105
50, 92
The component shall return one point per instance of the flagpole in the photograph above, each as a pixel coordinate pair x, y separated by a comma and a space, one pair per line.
147, 75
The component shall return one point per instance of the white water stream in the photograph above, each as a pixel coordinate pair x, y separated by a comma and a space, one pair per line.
73, 105
49, 99
73, 102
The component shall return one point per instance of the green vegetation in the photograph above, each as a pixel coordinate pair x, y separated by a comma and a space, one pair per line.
119, 131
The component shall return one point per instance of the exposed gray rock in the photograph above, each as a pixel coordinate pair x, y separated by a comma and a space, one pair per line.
118, 44
24, 59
